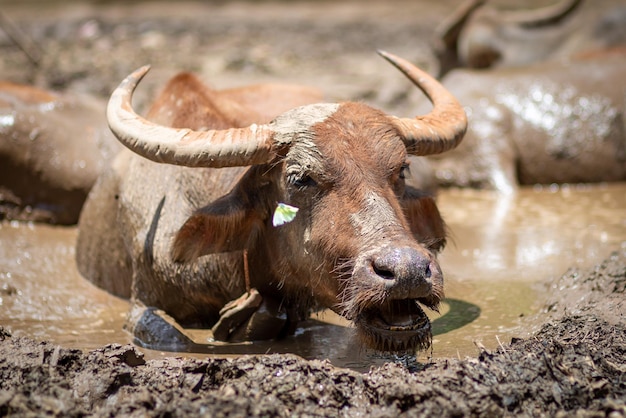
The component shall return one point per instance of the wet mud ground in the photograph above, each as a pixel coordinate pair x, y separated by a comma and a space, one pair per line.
572, 366
522, 332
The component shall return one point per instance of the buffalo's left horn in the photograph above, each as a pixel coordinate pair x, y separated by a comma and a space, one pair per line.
213, 148
440, 130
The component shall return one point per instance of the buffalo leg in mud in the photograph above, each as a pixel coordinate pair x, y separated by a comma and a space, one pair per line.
251, 317
152, 328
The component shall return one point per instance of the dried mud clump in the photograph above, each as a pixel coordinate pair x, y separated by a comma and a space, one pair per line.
573, 366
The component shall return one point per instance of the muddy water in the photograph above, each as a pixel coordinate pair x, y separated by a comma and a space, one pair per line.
501, 251
504, 249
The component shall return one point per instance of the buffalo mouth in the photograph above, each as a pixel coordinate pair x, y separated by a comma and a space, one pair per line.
396, 326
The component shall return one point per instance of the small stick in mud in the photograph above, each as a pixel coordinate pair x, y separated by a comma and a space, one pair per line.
500, 344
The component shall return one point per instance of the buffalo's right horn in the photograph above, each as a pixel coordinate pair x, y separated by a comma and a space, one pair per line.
214, 148
440, 130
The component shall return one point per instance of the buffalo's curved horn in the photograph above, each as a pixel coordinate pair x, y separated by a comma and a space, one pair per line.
542, 16
214, 148
440, 130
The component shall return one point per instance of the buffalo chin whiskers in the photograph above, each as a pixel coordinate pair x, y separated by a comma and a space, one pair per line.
354, 300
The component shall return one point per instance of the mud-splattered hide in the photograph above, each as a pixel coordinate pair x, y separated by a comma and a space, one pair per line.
556, 122
362, 243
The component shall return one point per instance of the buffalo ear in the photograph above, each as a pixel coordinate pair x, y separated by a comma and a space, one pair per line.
231, 223
216, 228
424, 218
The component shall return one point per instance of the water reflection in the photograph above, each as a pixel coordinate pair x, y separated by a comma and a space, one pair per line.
502, 248
534, 234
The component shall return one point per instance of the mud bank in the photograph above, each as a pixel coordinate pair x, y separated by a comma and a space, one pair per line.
572, 366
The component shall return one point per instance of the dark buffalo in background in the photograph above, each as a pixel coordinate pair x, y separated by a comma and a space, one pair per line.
544, 91
53, 146
484, 34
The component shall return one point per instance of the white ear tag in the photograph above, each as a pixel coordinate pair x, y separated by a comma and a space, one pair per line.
283, 214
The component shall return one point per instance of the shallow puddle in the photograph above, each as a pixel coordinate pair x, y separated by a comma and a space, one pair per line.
501, 251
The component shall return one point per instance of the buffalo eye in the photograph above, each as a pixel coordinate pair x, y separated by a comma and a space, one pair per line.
302, 181
306, 181
404, 171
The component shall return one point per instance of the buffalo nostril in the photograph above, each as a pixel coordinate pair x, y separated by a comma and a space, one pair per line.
385, 273
427, 272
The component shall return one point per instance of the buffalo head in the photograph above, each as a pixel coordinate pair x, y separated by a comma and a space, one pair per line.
479, 35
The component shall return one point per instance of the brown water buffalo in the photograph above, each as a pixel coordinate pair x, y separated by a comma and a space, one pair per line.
190, 236
480, 35
556, 122
52, 149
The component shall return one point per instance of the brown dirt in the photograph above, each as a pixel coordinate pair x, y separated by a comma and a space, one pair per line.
572, 366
